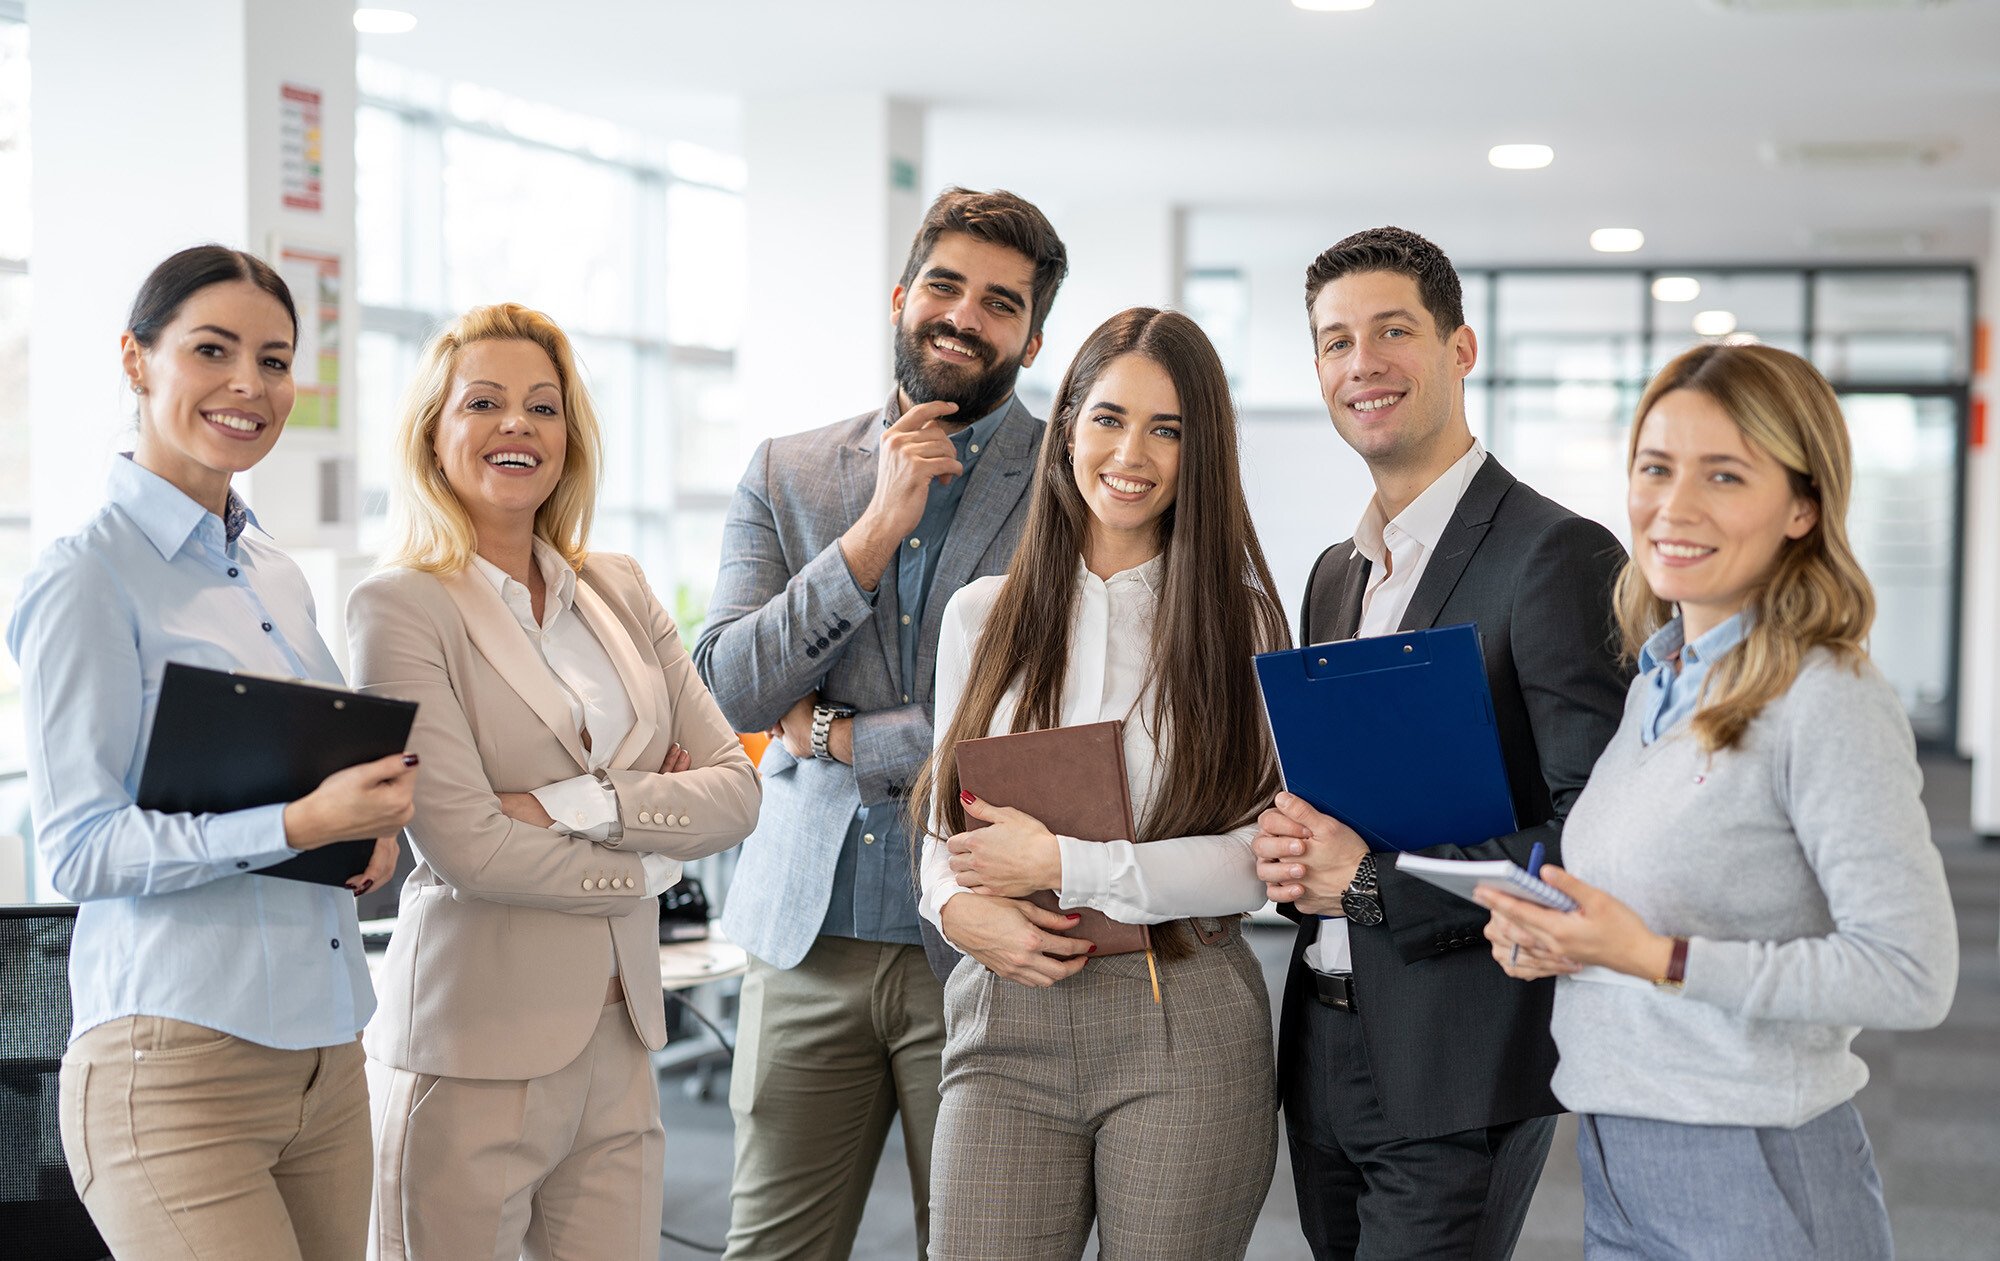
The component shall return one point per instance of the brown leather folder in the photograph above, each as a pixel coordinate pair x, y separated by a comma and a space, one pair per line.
1072, 779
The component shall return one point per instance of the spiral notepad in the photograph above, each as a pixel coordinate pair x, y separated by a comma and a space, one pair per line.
1462, 876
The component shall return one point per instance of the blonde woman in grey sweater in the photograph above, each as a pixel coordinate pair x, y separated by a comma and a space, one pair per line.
1751, 858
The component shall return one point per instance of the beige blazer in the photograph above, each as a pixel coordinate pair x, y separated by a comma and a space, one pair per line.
496, 970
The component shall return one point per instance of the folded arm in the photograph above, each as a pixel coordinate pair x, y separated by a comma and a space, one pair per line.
772, 633
459, 828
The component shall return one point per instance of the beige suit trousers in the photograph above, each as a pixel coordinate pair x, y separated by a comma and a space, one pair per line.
563, 1167
1088, 1100
194, 1145
829, 1053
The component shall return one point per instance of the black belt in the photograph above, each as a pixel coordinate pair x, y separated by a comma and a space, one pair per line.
1335, 989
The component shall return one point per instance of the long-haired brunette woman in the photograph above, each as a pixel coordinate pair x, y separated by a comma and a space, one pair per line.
213, 1103
1139, 592
1751, 857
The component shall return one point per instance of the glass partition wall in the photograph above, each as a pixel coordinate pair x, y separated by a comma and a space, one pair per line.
1566, 353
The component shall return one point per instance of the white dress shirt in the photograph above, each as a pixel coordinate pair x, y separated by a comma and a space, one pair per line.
1110, 670
1397, 553
584, 805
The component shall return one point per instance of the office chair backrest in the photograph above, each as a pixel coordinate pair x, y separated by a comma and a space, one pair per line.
40, 1215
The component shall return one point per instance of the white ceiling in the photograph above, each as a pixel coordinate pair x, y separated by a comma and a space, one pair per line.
1307, 123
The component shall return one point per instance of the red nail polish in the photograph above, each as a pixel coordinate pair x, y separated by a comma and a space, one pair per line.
409, 759
1093, 948
1074, 918
966, 797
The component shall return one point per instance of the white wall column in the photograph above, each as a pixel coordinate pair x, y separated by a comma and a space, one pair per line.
166, 136
835, 193
1979, 673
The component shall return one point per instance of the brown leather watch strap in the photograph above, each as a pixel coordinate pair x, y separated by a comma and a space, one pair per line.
1677, 965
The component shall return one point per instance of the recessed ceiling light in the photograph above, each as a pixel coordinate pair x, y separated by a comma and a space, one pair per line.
1715, 323
1333, 6
1520, 157
1617, 240
1676, 289
384, 21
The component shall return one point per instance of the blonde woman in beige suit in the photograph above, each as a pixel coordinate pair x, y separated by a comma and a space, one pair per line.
573, 760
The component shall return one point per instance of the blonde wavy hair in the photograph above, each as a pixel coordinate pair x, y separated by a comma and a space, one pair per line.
1816, 595
429, 528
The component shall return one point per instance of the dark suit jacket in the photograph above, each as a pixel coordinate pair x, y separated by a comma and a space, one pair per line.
1453, 1042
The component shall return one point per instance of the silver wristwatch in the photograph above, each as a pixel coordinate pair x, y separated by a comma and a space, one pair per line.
823, 716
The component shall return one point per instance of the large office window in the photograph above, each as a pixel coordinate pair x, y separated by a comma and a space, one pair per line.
1569, 351
14, 294
636, 248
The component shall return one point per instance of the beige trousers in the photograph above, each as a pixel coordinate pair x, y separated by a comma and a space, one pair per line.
564, 1167
191, 1144
828, 1053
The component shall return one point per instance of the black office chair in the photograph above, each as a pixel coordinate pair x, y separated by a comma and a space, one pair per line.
40, 1215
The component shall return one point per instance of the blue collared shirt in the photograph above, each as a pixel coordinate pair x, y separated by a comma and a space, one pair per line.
1672, 696
874, 893
173, 922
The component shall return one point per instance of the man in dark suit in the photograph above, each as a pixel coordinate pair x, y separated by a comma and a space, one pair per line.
1415, 1074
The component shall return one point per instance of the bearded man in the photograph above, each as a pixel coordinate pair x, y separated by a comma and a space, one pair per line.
842, 547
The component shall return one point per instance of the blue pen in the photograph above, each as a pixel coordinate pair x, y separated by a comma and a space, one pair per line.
1534, 873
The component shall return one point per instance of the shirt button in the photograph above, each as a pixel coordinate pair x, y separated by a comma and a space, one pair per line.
916, 542
580, 817
232, 571
906, 698
602, 882
906, 619
628, 883
975, 448
267, 626
684, 820
242, 866
867, 838
336, 943
586, 882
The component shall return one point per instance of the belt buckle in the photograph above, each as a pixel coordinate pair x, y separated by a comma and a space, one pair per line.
1336, 990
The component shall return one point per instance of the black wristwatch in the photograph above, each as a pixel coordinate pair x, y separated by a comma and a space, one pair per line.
1362, 903
823, 716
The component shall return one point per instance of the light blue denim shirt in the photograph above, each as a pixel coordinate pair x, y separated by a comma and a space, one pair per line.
173, 922
1672, 696
874, 890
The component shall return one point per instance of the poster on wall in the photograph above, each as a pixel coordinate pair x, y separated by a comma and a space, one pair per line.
299, 147
314, 279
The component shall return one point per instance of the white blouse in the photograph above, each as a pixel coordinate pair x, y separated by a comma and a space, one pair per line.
603, 713
1110, 666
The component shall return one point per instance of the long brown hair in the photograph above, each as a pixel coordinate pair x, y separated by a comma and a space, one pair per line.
1816, 595
1217, 605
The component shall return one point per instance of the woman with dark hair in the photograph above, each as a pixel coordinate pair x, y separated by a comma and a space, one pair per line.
1133, 1089
213, 1102
1751, 859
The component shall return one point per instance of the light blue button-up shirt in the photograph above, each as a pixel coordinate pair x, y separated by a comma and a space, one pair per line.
1672, 696
173, 921
874, 895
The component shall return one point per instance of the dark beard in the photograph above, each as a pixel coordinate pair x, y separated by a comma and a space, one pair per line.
977, 388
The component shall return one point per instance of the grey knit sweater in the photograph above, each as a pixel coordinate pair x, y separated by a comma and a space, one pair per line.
1801, 868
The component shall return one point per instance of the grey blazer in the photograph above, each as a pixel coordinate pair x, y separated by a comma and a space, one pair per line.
1455, 1043
787, 618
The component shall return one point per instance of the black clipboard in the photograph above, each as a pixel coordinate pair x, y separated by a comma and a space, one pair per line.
1393, 735
225, 742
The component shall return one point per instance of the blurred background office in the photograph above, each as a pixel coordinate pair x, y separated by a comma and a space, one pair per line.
717, 198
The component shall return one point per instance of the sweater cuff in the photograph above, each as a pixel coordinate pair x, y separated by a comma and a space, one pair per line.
1718, 972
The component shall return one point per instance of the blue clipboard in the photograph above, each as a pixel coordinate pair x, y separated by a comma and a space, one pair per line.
1393, 736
